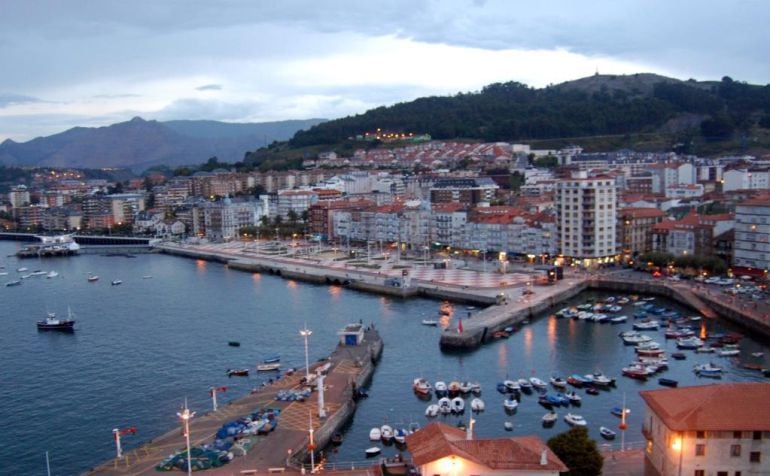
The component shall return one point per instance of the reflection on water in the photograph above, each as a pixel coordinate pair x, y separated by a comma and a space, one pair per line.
528, 341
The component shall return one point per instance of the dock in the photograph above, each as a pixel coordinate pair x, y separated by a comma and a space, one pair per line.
285, 449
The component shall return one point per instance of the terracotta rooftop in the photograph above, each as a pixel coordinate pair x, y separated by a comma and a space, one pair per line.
760, 201
721, 407
636, 212
438, 440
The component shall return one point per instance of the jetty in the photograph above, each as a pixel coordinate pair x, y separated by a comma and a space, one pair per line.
346, 370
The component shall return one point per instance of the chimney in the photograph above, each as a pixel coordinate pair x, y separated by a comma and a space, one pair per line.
544, 457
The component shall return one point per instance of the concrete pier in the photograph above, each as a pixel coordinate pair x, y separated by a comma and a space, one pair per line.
286, 448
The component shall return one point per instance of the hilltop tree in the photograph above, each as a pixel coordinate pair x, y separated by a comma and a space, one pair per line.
578, 452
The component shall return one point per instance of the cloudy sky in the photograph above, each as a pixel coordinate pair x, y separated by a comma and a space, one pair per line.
96, 62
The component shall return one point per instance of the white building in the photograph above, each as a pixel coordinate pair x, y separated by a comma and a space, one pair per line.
743, 179
683, 191
752, 234
586, 210
298, 201
19, 196
223, 219
707, 430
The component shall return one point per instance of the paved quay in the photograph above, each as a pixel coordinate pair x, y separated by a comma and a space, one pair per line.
284, 449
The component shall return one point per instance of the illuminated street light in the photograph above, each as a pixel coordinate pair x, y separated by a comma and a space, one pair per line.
186, 415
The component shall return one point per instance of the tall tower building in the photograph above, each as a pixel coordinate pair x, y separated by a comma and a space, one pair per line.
586, 210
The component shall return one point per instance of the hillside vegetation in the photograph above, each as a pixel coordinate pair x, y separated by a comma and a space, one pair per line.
680, 111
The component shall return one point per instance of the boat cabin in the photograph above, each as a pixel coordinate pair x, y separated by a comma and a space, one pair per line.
352, 334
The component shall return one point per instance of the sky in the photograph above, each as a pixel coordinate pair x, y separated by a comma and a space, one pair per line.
97, 62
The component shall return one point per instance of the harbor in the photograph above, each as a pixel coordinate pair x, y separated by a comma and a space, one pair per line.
118, 376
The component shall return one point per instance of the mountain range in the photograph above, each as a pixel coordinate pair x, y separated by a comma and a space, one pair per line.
138, 144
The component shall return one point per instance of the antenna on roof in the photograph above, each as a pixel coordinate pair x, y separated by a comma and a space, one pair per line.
597, 70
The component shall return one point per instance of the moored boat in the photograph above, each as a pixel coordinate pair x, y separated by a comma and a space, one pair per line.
116, 282
618, 411
550, 418
421, 386
575, 420
430, 322
15, 282
93, 278
477, 405
373, 451
268, 367
667, 382
510, 404
458, 405
606, 433
375, 434
432, 410
237, 372
444, 405
558, 382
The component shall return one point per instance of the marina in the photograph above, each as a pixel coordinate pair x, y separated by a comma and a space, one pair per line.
147, 373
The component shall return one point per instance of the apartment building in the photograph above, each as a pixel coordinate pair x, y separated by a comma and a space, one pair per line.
751, 248
692, 235
635, 230
586, 211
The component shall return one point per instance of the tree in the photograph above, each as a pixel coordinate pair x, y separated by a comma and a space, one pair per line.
578, 452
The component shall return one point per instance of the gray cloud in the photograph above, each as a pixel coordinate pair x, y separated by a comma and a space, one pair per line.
209, 87
116, 96
11, 99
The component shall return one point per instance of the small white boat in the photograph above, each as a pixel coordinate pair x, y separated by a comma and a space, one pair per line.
147, 276
550, 418
573, 397
466, 387
440, 388
386, 433
268, 367
477, 405
606, 433
575, 420
21, 270
93, 278
508, 426
757, 354
432, 410
373, 451
558, 382
510, 404
511, 386
375, 434
537, 383
458, 405
729, 352
400, 435
116, 282
430, 322
421, 386
444, 405
52, 274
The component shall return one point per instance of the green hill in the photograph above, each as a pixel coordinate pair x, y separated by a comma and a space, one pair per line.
598, 106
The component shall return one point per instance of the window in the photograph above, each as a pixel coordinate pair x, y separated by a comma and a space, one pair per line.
757, 435
700, 472
737, 473
735, 450
754, 457
721, 473
700, 434
700, 449
737, 435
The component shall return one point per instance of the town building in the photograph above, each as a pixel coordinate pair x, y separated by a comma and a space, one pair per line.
751, 248
468, 191
718, 430
635, 230
223, 219
746, 179
443, 450
586, 210
693, 235
19, 196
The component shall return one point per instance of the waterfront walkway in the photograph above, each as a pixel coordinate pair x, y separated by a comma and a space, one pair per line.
279, 450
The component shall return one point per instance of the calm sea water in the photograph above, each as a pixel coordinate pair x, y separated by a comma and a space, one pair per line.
142, 347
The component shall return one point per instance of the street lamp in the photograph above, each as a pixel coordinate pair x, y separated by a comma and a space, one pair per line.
306, 333
186, 415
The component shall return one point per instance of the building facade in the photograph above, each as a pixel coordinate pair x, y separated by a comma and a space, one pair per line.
751, 248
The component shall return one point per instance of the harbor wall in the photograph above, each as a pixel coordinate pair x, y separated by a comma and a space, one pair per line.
757, 327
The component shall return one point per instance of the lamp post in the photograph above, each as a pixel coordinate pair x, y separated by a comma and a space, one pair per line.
305, 333
186, 415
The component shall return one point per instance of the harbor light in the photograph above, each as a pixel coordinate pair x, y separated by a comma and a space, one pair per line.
305, 333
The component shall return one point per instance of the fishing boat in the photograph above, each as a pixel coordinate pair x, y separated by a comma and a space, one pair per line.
375, 434
268, 367
93, 278
690, 343
575, 420
15, 282
432, 410
430, 322
477, 405
606, 433
52, 323
510, 404
116, 282
237, 372
708, 370
600, 380
550, 418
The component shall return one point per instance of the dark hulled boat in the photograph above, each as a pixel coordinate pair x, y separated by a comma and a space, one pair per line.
52, 323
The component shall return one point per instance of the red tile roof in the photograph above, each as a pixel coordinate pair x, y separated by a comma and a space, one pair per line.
722, 407
637, 212
438, 440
